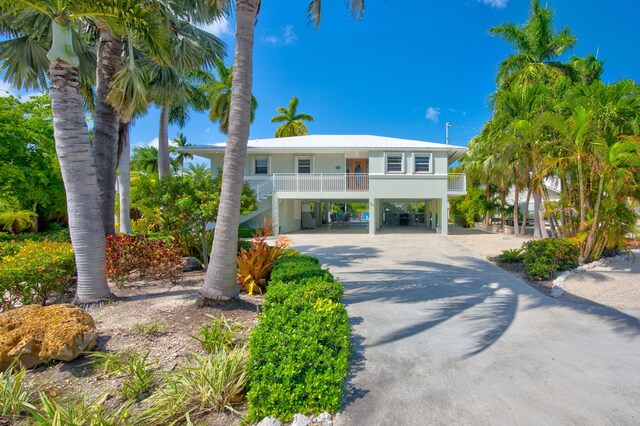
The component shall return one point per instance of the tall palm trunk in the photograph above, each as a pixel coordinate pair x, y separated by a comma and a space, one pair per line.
516, 200
583, 216
525, 213
124, 179
220, 282
164, 165
537, 227
78, 171
584, 256
105, 129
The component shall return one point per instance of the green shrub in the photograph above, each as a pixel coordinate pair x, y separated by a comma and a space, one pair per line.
134, 366
9, 248
58, 235
246, 232
35, 272
299, 351
542, 258
512, 256
298, 267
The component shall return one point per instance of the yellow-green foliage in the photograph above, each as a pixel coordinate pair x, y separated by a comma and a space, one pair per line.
33, 271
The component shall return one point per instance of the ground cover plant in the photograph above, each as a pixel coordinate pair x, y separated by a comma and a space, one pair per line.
299, 351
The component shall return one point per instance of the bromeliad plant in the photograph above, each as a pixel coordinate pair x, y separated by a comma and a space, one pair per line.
256, 262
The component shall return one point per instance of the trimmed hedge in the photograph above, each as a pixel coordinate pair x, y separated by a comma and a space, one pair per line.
299, 351
31, 272
542, 258
298, 267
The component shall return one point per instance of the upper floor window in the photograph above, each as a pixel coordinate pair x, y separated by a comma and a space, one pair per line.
394, 163
421, 163
261, 165
304, 165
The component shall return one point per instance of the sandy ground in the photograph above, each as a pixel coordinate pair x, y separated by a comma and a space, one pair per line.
483, 243
616, 285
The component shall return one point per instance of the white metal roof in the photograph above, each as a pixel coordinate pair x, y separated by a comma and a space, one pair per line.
323, 143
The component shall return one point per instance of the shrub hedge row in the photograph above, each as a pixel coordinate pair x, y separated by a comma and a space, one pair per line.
32, 271
55, 236
542, 258
299, 351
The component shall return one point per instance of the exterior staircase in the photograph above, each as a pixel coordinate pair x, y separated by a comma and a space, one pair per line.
263, 191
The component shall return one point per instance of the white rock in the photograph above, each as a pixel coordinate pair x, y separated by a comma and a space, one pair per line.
270, 421
324, 419
557, 291
301, 420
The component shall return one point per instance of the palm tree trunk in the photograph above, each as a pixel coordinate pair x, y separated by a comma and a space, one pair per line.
583, 217
584, 256
537, 232
203, 240
164, 166
124, 180
220, 282
516, 200
525, 213
105, 129
78, 171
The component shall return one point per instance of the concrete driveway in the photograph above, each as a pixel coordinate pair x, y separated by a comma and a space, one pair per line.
444, 337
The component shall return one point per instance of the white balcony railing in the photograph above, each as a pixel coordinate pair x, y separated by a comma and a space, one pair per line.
320, 182
457, 182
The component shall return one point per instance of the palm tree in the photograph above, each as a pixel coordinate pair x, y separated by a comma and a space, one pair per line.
536, 46
72, 138
219, 91
180, 141
220, 281
145, 159
293, 122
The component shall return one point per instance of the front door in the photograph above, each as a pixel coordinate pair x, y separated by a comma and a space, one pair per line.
356, 168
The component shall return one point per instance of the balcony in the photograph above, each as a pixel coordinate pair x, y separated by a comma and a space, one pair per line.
457, 183
320, 182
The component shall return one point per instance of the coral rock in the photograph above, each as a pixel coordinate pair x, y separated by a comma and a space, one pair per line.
35, 334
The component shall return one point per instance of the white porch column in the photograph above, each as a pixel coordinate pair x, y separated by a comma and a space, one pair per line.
433, 204
378, 212
444, 216
372, 216
275, 214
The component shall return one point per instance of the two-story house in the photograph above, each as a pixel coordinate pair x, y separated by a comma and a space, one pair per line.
294, 176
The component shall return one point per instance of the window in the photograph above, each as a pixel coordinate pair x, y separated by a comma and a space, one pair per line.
261, 165
395, 163
303, 165
422, 163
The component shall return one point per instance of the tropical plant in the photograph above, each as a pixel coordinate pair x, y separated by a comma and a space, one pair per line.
180, 141
256, 262
220, 281
14, 219
536, 45
30, 174
293, 122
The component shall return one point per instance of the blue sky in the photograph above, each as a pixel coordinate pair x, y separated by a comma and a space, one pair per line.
403, 70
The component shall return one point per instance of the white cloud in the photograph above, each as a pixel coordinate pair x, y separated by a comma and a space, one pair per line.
433, 114
219, 27
287, 36
497, 4
7, 90
154, 142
